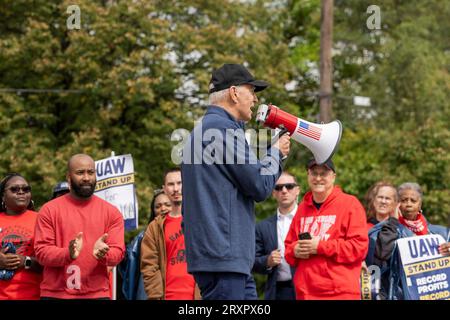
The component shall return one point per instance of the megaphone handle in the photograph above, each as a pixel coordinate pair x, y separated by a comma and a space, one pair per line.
282, 132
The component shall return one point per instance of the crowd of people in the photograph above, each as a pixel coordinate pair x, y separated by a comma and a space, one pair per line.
202, 241
65, 251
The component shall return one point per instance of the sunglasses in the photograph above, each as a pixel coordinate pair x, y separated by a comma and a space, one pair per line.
289, 186
16, 189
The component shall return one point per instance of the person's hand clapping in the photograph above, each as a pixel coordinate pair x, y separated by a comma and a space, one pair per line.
100, 247
76, 245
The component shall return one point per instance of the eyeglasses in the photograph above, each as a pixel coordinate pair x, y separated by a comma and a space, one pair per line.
17, 189
251, 90
322, 174
289, 186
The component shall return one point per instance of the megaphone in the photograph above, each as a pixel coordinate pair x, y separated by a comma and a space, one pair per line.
321, 139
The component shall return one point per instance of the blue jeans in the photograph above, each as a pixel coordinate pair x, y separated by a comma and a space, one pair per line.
226, 286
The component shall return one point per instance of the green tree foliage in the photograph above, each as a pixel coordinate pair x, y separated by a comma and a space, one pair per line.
139, 70
403, 68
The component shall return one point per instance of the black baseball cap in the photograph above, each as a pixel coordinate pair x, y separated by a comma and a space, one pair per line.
233, 75
61, 187
329, 164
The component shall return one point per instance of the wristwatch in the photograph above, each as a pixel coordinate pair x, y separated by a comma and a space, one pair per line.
27, 262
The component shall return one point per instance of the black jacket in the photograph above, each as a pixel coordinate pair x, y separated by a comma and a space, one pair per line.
267, 241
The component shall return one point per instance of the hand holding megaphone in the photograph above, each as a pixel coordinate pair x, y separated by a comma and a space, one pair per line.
281, 141
321, 139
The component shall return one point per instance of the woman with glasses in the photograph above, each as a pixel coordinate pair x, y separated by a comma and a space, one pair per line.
20, 273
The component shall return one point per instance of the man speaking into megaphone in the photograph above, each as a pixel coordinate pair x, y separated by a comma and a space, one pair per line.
223, 179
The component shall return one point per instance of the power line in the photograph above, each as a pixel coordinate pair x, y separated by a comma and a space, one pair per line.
22, 90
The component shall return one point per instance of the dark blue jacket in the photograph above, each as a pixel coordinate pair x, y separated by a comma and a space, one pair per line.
218, 199
129, 269
266, 242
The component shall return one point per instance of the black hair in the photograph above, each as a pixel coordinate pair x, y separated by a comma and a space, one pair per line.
152, 205
3, 183
290, 175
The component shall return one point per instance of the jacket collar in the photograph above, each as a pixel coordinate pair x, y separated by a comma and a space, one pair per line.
216, 110
308, 198
290, 214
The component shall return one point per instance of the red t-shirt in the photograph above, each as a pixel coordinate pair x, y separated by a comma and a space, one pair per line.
179, 283
59, 221
20, 231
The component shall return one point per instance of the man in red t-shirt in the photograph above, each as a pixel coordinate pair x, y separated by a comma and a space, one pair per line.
78, 236
163, 257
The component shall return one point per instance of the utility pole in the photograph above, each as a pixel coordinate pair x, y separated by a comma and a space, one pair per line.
326, 64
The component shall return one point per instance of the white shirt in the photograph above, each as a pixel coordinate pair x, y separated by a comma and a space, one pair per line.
283, 224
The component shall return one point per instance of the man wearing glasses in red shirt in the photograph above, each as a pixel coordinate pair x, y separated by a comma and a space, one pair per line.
327, 240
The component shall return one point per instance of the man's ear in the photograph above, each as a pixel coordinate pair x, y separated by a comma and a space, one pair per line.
233, 95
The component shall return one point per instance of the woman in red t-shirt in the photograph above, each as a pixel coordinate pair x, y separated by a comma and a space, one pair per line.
20, 273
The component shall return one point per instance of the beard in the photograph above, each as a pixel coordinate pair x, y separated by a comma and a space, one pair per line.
176, 203
81, 191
